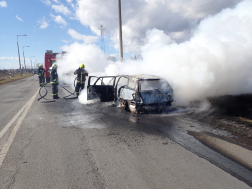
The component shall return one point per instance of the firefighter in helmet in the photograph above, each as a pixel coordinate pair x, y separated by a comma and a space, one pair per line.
54, 81
41, 75
81, 78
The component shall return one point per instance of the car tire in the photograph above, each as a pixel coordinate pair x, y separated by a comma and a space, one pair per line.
124, 104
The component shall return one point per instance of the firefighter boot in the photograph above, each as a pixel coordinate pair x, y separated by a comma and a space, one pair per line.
56, 97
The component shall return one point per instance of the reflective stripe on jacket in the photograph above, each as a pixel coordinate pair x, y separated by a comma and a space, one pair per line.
54, 77
41, 72
81, 75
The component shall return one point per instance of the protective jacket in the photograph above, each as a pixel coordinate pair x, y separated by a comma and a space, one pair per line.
41, 72
54, 77
81, 75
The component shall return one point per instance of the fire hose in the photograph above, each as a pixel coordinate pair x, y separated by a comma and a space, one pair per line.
43, 96
65, 97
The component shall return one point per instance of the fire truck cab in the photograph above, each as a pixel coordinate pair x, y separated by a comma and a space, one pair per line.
50, 58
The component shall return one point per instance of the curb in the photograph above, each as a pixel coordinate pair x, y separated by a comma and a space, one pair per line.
232, 151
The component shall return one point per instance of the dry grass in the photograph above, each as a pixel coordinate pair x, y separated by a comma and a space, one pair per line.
244, 119
7, 79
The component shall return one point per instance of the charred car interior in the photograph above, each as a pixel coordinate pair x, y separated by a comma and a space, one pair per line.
137, 93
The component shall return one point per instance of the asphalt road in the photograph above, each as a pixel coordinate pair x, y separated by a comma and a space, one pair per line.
65, 144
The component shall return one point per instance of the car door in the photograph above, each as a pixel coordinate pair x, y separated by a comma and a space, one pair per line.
121, 83
126, 92
101, 87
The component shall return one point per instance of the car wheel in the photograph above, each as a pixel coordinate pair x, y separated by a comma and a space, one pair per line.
124, 104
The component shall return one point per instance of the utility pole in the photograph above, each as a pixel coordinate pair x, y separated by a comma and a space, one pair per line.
120, 31
19, 56
102, 38
24, 59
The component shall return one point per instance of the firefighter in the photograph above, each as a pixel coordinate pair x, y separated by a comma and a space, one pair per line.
54, 81
81, 78
41, 75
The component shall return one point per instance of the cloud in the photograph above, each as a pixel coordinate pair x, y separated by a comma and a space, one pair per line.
43, 24
72, 18
65, 41
175, 18
47, 2
61, 9
56, 1
70, 2
58, 19
3, 4
17, 17
86, 38
8, 58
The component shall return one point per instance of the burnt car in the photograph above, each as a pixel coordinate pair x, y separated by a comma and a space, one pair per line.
137, 93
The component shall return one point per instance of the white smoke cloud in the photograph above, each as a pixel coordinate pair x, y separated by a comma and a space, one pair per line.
89, 54
216, 60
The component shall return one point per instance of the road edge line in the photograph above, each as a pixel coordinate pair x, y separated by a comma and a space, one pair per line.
9, 141
3, 131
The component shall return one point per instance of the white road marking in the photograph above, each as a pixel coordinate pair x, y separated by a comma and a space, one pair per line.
23, 113
6, 128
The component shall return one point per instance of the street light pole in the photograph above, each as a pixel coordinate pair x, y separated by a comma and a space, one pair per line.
19, 55
31, 61
34, 63
120, 31
24, 59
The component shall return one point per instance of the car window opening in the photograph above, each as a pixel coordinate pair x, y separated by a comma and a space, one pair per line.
158, 84
104, 81
131, 84
123, 82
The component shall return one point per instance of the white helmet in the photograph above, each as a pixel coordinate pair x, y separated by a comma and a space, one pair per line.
54, 66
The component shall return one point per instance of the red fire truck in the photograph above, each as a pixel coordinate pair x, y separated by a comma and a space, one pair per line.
50, 58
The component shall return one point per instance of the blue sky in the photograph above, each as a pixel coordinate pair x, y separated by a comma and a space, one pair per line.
51, 24
27, 17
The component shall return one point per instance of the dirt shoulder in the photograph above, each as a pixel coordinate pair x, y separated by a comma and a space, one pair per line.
233, 114
8, 79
